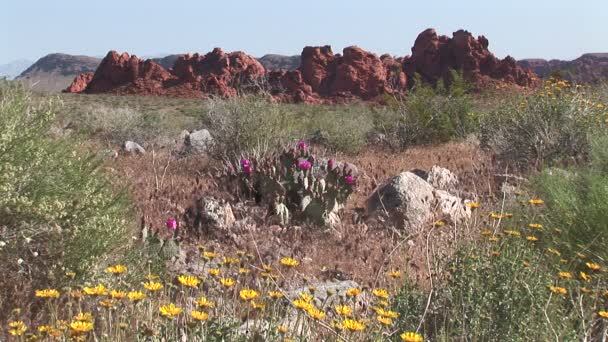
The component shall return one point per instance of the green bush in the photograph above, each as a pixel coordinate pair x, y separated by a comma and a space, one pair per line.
543, 128
577, 199
57, 212
241, 124
433, 115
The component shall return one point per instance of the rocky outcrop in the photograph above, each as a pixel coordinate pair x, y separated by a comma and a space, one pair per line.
433, 57
80, 83
322, 76
412, 202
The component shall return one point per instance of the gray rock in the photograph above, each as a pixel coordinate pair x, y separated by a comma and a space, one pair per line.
451, 207
407, 198
216, 214
198, 141
133, 147
326, 292
442, 179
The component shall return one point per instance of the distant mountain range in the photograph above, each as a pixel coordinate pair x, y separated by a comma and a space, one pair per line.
13, 69
588, 68
55, 72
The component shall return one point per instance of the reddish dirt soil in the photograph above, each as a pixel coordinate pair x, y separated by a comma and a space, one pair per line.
359, 249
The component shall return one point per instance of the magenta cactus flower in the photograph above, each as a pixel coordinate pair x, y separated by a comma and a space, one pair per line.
171, 224
246, 166
304, 165
302, 145
331, 164
350, 179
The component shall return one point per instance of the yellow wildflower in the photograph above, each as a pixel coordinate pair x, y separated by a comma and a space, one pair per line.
531, 238
512, 233
136, 296
170, 310
535, 225
411, 337
248, 294
558, 290
47, 293
116, 269
380, 293
394, 274
565, 275
189, 281
230, 261
315, 313
108, 303
485, 232
84, 317
494, 239
603, 314
17, 328
302, 304
384, 320
593, 266
353, 292
81, 327
98, 290
554, 251
290, 262
209, 255
153, 286
352, 325
199, 315
473, 205
213, 272
536, 201
282, 329
343, 310
258, 305
227, 282
585, 277
204, 303
118, 294
275, 294
306, 296
243, 270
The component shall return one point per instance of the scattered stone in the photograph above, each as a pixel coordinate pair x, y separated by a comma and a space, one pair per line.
407, 198
451, 207
198, 141
133, 147
210, 214
442, 179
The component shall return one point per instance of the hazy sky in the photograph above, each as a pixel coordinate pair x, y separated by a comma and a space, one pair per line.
522, 28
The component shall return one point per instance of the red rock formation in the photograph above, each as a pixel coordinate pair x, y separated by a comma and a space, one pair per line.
321, 77
79, 84
434, 56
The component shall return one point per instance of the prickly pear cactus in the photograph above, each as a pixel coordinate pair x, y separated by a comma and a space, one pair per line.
295, 182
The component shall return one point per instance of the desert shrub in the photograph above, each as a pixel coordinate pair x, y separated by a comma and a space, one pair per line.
432, 114
294, 182
343, 128
242, 123
577, 199
520, 279
57, 213
116, 124
543, 128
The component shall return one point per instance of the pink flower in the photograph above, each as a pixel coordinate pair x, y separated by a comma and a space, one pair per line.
302, 145
248, 169
304, 165
171, 224
330, 164
350, 180
246, 166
